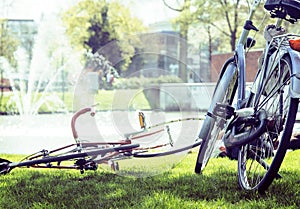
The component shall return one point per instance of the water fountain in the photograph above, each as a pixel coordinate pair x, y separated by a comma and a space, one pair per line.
34, 81
31, 91
24, 130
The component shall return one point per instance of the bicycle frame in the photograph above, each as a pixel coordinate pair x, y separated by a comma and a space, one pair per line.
236, 64
240, 58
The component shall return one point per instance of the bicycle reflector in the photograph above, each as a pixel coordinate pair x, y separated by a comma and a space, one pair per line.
295, 44
142, 120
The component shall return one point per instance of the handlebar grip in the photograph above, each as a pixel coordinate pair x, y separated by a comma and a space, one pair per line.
93, 111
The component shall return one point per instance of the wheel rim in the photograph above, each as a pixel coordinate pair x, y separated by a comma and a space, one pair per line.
255, 158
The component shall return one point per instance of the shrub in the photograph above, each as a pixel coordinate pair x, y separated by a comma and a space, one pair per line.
139, 82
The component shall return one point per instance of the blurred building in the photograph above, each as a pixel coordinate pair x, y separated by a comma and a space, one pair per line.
159, 55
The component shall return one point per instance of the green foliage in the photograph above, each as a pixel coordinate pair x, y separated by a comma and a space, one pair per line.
5, 106
177, 188
139, 82
222, 32
184, 19
93, 24
223, 29
8, 44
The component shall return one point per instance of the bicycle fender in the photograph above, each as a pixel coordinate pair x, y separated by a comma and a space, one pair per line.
210, 119
230, 71
295, 87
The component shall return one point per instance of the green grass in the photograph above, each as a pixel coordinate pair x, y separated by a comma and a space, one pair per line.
177, 188
121, 99
118, 99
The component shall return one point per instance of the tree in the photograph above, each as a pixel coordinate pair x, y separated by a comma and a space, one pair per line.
8, 44
208, 13
93, 24
223, 15
226, 18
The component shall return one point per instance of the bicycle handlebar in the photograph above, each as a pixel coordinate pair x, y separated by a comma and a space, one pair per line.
77, 114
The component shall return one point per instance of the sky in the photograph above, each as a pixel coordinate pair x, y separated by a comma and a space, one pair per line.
149, 11
30, 9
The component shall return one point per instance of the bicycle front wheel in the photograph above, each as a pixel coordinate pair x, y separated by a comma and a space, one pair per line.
259, 161
213, 125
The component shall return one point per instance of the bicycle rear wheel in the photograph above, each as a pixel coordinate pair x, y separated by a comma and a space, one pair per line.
213, 125
259, 161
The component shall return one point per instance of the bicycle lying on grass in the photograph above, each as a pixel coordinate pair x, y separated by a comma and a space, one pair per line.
84, 155
257, 129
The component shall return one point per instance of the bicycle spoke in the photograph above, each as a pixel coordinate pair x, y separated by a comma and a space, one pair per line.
262, 163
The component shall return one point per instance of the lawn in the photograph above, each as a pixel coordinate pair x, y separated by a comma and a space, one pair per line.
177, 188
119, 99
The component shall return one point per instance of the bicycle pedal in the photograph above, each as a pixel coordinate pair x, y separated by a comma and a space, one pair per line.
223, 110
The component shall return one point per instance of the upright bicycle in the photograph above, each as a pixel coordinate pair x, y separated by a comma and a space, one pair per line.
256, 126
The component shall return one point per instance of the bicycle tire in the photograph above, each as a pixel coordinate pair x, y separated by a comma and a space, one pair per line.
212, 125
260, 161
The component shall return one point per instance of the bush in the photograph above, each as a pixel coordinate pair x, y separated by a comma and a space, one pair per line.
139, 82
